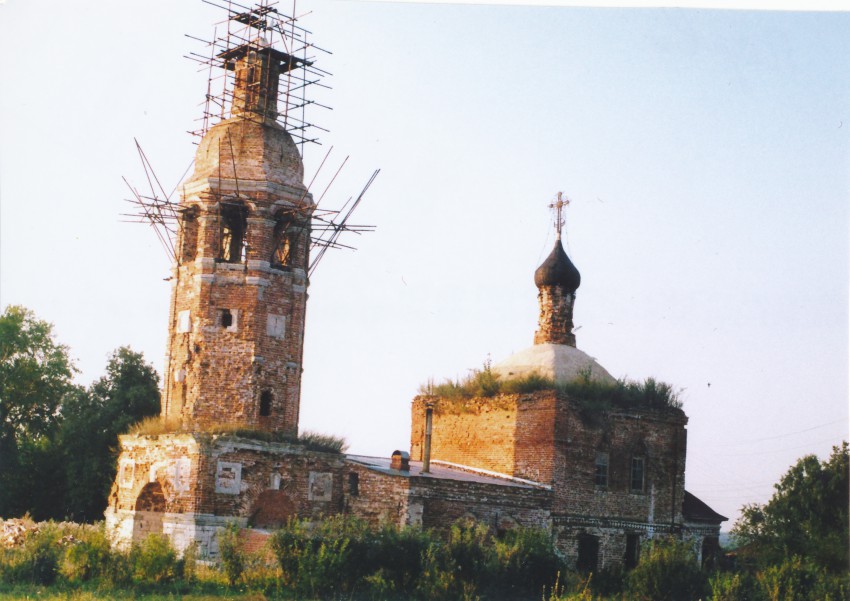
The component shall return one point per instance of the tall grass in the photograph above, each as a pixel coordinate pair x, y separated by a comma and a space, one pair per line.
590, 395
313, 441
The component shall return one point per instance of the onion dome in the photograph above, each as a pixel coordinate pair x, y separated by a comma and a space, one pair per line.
558, 270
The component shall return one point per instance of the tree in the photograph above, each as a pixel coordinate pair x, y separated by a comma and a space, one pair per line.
35, 378
93, 420
806, 517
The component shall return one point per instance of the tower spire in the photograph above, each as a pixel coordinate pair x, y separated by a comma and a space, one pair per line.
557, 280
558, 207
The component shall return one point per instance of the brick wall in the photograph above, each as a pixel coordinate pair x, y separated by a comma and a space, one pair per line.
236, 323
509, 434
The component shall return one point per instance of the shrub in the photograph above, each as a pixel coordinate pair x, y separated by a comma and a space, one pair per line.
232, 555
525, 561
35, 560
668, 571
798, 580
727, 586
88, 557
154, 559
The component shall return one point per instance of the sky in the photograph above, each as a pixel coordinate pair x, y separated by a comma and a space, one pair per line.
705, 153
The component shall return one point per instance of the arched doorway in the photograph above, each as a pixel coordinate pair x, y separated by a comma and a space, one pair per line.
150, 505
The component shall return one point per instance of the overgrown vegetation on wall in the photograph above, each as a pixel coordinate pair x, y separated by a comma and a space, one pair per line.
312, 441
587, 393
346, 559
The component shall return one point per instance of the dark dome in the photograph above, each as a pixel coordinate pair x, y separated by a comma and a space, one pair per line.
558, 270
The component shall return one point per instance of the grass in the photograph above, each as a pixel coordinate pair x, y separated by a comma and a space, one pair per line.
590, 395
313, 441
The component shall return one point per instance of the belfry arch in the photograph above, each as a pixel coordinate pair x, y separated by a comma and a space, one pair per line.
149, 510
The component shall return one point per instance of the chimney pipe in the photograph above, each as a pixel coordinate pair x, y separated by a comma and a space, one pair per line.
426, 454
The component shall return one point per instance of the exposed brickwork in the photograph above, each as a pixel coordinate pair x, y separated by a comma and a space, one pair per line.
555, 323
509, 434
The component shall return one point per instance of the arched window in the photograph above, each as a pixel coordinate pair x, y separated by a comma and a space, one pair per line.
234, 222
189, 234
282, 243
266, 403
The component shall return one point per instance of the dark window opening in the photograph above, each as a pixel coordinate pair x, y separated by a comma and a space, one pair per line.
601, 475
354, 484
632, 551
265, 403
189, 233
283, 244
638, 476
588, 553
233, 225
710, 551
226, 318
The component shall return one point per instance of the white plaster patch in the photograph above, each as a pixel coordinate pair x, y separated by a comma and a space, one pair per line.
127, 472
320, 486
181, 474
228, 477
184, 322
276, 325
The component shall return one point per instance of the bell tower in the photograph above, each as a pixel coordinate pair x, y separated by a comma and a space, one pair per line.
236, 323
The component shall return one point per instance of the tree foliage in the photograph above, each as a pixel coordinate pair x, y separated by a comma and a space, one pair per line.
35, 379
58, 441
129, 392
807, 515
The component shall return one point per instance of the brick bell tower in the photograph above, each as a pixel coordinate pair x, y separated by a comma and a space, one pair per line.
236, 323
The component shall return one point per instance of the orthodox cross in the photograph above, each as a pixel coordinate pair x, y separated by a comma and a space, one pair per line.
558, 207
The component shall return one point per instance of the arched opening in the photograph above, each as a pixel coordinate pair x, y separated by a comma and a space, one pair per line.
189, 234
282, 245
266, 403
272, 509
234, 223
150, 506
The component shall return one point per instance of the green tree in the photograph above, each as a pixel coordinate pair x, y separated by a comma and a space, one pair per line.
92, 422
35, 379
807, 515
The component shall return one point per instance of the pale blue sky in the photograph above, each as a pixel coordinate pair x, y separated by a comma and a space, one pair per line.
706, 153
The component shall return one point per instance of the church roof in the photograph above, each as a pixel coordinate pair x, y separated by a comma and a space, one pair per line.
560, 362
695, 510
558, 270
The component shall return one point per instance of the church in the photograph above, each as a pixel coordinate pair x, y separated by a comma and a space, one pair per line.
602, 477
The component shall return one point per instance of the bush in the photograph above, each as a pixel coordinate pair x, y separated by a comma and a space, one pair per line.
35, 560
154, 560
88, 557
232, 555
668, 571
740, 586
799, 580
525, 561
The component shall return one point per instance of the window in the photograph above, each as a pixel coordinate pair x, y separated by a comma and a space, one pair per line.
601, 476
354, 484
233, 226
588, 553
282, 251
189, 232
226, 319
266, 403
632, 551
638, 475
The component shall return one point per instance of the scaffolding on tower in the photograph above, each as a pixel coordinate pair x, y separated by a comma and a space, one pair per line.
262, 28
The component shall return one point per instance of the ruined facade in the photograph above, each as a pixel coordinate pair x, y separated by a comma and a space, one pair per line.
600, 481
